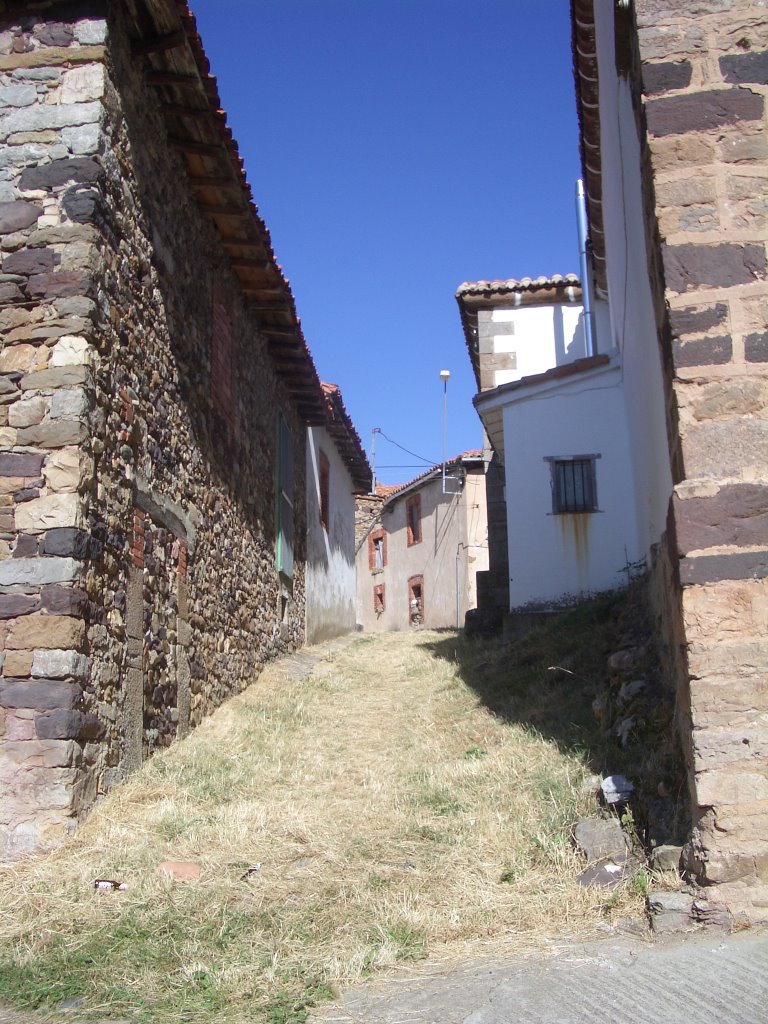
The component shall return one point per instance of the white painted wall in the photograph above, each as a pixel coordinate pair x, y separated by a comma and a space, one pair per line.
453, 549
330, 584
632, 321
559, 557
543, 337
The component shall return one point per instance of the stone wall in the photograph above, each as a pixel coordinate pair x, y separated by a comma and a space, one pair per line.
138, 584
704, 70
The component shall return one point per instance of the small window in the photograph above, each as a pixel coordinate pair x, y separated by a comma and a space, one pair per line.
377, 550
416, 600
378, 599
574, 484
413, 519
325, 494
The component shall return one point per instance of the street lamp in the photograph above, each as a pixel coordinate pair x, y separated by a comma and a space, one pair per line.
444, 377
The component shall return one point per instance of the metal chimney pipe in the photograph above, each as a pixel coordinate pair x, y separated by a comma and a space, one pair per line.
586, 288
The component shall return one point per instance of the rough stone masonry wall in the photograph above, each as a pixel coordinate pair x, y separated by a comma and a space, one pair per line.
705, 78
138, 586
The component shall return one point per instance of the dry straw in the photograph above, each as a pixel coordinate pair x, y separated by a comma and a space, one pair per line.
402, 801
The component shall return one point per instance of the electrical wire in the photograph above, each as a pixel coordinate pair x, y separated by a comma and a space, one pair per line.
428, 462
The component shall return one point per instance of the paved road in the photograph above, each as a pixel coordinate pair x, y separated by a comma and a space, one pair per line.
714, 980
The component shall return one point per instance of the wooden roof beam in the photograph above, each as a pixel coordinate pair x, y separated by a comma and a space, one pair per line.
159, 44
171, 78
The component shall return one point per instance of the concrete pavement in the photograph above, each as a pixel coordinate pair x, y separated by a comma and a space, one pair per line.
718, 979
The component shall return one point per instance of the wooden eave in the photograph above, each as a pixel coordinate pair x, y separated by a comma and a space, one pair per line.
471, 303
588, 107
346, 440
166, 41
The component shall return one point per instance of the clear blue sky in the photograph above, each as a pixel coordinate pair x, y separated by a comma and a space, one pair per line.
395, 149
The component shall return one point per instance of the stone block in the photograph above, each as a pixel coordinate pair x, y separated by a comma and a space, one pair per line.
38, 693
734, 675
20, 464
744, 147
68, 403
68, 541
724, 448
702, 352
70, 350
686, 191
53, 434
727, 398
59, 664
18, 664
82, 84
64, 600
600, 837
46, 632
29, 262
715, 787
55, 33
83, 140
19, 723
737, 515
18, 215
28, 412
756, 348
19, 358
82, 205
702, 111
62, 470
90, 31
651, 12
659, 42
62, 284
68, 725
42, 753
691, 266
17, 95
49, 513
745, 68
677, 151
717, 747
14, 605
42, 116
666, 77
34, 572
61, 172
732, 612
704, 569
57, 377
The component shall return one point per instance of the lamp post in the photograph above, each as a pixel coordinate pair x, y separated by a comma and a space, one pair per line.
444, 377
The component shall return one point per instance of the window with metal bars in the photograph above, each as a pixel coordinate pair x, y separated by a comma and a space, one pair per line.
574, 484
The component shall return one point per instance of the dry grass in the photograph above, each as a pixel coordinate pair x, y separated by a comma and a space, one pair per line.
393, 815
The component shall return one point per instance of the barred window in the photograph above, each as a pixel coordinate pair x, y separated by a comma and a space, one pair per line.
574, 484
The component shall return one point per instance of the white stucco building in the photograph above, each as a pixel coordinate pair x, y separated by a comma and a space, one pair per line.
582, 505
424, 544
337, 470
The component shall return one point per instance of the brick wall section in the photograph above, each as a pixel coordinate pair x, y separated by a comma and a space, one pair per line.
705, 76
124, 491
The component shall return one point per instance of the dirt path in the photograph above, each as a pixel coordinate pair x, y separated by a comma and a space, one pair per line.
385, 813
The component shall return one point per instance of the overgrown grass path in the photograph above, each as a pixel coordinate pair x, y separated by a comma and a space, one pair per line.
402, 795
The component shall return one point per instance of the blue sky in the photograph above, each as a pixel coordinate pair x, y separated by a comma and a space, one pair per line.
396, 148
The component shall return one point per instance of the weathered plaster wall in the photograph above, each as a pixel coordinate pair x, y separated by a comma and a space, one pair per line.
331, 595
631, 325
445, 520
555, 559
513, 343
138, 586
705, 75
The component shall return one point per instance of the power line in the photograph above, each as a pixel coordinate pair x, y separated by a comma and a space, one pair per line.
428, 462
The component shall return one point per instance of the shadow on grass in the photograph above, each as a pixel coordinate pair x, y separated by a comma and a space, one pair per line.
548, 679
